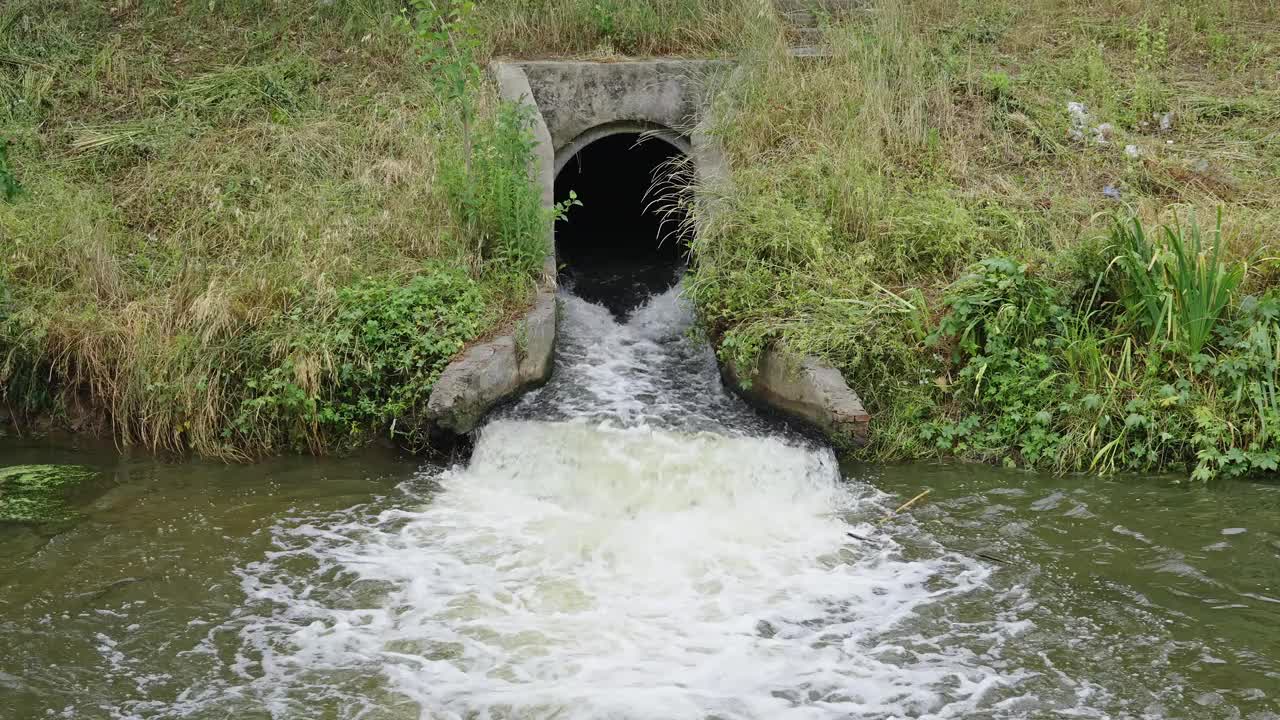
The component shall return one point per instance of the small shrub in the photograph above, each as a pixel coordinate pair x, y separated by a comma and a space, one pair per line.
1004, 323
1151, 54
602, 15
447, 37
500, 206
998, 87
926, 233
999, 306
383, 350
498, 203
1238, 427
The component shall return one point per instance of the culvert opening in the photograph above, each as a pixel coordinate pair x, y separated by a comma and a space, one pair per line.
626, 242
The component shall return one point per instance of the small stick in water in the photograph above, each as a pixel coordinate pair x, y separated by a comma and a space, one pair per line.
905, 505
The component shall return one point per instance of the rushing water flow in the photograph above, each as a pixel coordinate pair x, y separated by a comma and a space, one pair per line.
632, 542
622, 546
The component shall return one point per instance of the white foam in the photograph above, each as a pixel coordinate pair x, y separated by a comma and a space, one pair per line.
645, 370
575, 570
631, 542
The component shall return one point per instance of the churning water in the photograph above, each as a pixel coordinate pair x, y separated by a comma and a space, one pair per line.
628, 542
631, 542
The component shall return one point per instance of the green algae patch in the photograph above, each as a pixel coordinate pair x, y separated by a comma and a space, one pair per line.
38, 493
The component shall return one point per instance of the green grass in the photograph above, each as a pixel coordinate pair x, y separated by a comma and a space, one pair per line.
218, 202
608, 28
868, 186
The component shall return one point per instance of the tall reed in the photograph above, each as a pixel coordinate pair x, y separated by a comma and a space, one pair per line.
1174, 287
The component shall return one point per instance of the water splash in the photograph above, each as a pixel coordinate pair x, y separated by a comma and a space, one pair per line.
629, 542
575, 570
647, 370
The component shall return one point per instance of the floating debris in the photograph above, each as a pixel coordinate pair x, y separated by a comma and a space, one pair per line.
36, 493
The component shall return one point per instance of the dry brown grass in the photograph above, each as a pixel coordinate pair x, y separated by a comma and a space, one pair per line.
614, 28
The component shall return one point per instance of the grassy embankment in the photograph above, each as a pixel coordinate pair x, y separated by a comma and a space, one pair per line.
235, 219
243, 226
920, 209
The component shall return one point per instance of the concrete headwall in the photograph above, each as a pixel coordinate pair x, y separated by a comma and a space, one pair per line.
580, 97
581, 102
573, 104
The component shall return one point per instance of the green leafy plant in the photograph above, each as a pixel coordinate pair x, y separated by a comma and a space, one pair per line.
1004, 324
1238, 432
447, 36
998, 87
1174, 287
498, 201
1151, 54
382, 353
602, 14
500, 206
997, 306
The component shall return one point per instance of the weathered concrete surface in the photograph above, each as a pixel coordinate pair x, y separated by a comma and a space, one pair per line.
493, 371
519, 357
805, 388
579, 97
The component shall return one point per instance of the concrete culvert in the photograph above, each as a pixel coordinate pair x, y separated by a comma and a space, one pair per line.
626, 242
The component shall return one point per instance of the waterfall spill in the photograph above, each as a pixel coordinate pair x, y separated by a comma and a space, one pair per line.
630, 541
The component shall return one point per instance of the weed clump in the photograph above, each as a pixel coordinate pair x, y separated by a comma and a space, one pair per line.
1175, 289
368, 368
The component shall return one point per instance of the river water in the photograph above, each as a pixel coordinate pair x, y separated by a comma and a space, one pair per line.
632, 542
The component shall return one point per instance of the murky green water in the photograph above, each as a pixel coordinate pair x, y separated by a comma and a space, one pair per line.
1143, 588
1143, 598
106, 611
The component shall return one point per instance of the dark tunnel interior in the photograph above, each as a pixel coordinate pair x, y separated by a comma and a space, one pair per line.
622, 245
